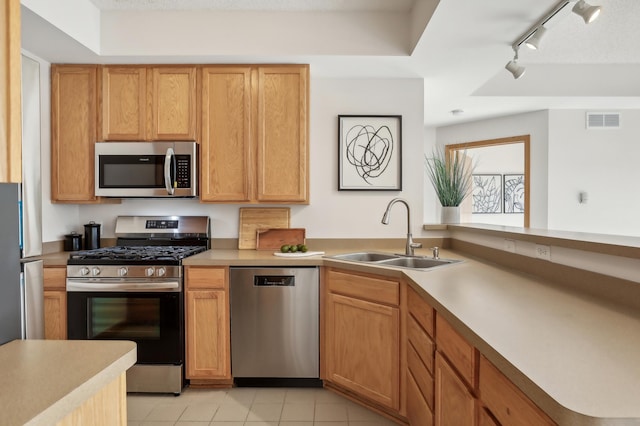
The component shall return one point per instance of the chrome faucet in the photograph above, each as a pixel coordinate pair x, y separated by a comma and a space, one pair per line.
410, 246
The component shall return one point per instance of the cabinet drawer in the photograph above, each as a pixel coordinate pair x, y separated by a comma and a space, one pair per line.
420, 374
462, 355
418, 411
420, 310
505, 401
364, 287
55, 278
205, 277
421, 342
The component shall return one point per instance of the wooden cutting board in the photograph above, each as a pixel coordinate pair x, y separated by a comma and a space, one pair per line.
273, 239
254, 218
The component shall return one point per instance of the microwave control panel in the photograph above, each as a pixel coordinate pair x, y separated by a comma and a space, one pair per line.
183, 171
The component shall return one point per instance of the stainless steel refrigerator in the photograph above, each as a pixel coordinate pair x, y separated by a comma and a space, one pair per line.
21, 290
21, 273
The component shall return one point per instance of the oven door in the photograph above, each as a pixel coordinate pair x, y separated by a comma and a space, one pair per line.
154, 320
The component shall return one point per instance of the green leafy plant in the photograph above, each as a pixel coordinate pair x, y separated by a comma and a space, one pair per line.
450, 177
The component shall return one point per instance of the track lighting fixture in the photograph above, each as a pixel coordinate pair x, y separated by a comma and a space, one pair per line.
512, 66
586, 11
533, 36
533, 42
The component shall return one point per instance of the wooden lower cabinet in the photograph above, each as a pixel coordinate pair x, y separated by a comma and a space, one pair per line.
362, 337
418, 411
485, 419
55, 303
107, 407
505, 401
455, 405
207, 323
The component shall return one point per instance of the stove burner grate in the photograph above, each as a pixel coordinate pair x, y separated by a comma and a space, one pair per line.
137, 253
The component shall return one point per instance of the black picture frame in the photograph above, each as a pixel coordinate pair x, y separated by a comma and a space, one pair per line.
369, 152
513, 192
486, 193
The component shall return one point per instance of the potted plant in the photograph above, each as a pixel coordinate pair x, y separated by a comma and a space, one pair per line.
451, 178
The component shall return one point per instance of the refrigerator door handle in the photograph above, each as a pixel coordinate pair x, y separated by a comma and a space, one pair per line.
32, 288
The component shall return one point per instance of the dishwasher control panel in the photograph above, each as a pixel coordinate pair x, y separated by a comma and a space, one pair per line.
274, 280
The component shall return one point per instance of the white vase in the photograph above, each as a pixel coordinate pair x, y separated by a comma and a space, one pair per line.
451, 214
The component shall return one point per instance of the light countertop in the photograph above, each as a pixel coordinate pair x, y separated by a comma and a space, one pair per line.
42, 381
575, 356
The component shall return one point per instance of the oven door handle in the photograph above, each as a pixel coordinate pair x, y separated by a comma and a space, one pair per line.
170, 171
128, 286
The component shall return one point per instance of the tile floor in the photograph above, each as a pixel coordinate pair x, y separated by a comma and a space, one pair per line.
249, 407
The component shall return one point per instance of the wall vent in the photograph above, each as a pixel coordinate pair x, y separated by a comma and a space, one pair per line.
603, 120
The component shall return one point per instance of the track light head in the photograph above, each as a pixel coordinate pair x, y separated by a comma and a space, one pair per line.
516, 70
512, 66
533, 42
586, 11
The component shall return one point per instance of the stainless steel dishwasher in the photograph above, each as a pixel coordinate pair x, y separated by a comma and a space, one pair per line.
275, 326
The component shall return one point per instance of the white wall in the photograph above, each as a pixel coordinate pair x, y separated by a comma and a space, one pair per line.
602, 162
331, 213
495, 160
534, 124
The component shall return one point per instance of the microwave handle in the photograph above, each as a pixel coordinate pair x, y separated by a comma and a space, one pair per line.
169, 167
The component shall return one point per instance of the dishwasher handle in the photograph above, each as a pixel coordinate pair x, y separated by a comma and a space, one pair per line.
274, 281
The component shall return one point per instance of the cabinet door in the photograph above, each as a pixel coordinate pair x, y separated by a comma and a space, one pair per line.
282, 134
124, 103
455, 405
55, 303
10, 117
55, 315
173, 104
73, 132
418, 411
225, 148
362, 348
208, 335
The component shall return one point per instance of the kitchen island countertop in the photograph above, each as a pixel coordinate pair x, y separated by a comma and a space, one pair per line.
42, 381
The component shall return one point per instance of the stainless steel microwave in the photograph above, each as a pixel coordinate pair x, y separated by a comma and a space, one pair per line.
146, 169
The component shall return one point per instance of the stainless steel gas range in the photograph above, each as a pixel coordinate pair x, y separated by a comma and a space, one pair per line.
134, 291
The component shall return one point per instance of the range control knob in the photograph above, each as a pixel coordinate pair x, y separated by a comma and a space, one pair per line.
95, 271
122, 271
84, 271
149, 272
162, 272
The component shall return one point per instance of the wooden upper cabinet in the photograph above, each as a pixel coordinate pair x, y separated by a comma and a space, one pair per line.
73, 132
148, 103
282, 134
124, 103
255, 144
173, 103
225, 148
10, 111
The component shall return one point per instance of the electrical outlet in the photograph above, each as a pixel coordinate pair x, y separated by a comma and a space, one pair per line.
543, 252
510, 246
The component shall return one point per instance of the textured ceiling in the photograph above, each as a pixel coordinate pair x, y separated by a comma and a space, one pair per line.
259, 5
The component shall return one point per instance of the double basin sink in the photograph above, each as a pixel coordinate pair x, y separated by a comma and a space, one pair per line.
394, 260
